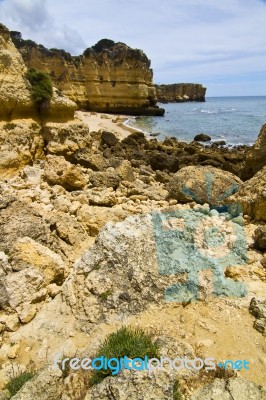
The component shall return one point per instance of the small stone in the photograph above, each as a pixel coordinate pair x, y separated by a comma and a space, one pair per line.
13, 352
27, 314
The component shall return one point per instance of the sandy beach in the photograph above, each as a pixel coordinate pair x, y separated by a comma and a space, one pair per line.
108, 122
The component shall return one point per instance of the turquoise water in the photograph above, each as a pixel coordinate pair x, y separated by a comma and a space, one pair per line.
237, 120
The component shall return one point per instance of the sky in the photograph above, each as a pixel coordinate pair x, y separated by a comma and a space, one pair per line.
218, 43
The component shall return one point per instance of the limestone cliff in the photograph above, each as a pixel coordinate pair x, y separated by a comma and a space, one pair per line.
15, 90
180, 92
113, 78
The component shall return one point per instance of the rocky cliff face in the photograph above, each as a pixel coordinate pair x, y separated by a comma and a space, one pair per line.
116, 79
180, 92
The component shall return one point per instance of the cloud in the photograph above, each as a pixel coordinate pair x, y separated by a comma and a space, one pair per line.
187, 40
32, 18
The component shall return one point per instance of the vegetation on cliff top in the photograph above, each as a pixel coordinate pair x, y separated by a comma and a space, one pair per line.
41, 87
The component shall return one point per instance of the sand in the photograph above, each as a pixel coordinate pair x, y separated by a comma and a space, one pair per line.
107, 122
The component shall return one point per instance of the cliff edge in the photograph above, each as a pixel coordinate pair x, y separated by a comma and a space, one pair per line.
108, 77
180, 92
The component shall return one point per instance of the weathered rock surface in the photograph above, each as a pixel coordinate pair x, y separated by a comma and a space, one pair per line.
136, 384
256, 158
257, 308
260, 238
203, 185
116, 79
252, 196
21, 142
58, 171
46, 385
232, 389
180, 92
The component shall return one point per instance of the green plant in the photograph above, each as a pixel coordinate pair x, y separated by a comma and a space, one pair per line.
176, 391
127, 341
104, 295
9, 126
41, 87
17, 382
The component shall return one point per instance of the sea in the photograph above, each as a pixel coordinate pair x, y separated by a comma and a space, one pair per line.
236, 120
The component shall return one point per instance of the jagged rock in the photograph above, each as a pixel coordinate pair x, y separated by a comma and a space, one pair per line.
125, 171
110, 178
134, 384
96, 162
256, 158
18, 220
94, 217
203, 185
58, 171
46, 385
28, 253
202, 137
252, 196
101, 197
21, 142
260, 238
109, 138
257, 308
232, 389
66, 138
163, 161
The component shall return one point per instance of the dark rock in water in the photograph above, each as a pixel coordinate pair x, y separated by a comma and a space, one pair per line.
202, 137
260, 238
109, 138
161, 161
154, 134
219, 143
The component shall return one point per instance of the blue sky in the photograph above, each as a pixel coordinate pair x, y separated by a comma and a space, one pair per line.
219, 43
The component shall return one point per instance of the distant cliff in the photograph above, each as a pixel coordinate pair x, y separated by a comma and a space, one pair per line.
180, 92
109, 77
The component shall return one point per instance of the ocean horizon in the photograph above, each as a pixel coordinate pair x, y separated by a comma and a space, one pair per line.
235, 119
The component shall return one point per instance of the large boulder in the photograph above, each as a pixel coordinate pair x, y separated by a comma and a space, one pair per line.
252, 196
256, 158
132, 263
202, 185
58, 171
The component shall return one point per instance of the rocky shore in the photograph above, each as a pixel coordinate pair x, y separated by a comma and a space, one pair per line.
80, 201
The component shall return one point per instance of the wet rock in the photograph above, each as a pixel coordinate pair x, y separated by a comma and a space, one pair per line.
202, 137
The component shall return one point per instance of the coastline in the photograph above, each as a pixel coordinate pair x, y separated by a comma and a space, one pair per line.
109, 122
